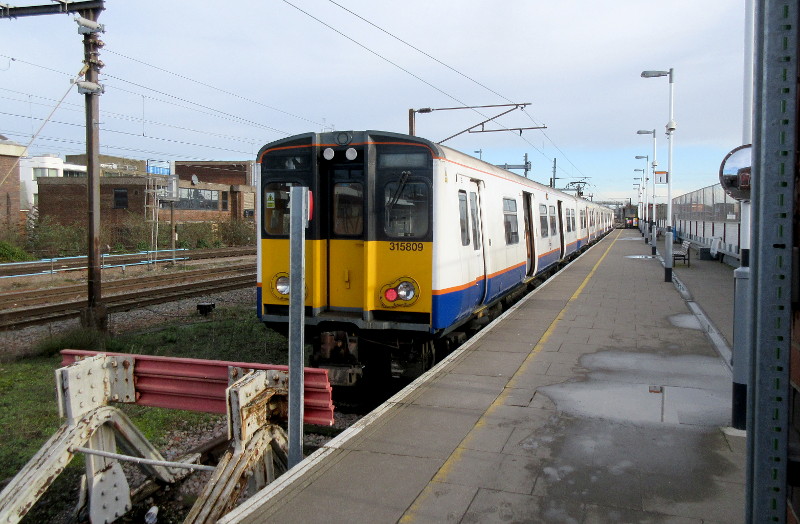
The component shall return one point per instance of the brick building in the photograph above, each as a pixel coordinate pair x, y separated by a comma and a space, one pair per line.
66, 201
232, 173
10, 153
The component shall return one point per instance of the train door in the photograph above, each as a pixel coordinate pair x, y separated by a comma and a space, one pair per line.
345, 191
560, 211
527, 211
476, 261
555, 234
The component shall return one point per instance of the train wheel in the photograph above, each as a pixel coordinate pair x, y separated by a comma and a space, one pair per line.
428, 355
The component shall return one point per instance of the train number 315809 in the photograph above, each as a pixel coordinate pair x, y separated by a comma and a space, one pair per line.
406, 246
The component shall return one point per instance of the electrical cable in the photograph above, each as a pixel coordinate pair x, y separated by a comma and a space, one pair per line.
465, 76
16, 162
122, 116
106, 50
107, 130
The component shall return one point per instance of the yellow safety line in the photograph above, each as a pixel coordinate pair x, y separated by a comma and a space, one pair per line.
444, 471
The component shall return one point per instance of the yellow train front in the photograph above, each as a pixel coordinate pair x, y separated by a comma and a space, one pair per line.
368, 248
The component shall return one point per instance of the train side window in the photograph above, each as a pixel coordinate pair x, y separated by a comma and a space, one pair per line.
543, 220
406, 205
573, 220
510, 221
276, 208
569, 224
462, 217
476, 228
348, 207
583, 219
553, 219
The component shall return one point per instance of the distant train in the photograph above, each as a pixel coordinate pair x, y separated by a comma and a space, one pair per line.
411, 245
630, 216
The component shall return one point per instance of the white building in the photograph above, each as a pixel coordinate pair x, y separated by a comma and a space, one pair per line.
33, 168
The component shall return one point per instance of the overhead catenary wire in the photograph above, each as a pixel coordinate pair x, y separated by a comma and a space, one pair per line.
198, 82
16, 162
222, 114
115, 131
121, 116
150, 153
208, 110
464, 75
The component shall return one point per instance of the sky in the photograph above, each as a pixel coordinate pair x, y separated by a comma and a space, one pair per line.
207, 80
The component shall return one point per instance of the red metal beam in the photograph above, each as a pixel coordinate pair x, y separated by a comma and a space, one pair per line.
199, 385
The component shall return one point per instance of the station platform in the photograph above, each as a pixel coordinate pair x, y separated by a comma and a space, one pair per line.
597, 398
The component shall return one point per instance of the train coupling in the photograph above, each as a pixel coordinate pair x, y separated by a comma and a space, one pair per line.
337, 352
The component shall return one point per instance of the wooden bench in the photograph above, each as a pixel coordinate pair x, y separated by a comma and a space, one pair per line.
683, 253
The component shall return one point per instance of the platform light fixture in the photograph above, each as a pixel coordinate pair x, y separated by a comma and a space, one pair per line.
643, 225
671, 126
654, 164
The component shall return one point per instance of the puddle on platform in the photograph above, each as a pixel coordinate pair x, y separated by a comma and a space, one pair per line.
646, 388
640, 256
687, 320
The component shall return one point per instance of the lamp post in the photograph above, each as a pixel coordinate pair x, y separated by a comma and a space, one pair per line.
642, 188
646, 213
670, 130
654, 165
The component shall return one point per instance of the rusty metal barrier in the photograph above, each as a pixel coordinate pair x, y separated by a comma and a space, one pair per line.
199, 385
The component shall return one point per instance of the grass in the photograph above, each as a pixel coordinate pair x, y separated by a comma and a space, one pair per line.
28, 411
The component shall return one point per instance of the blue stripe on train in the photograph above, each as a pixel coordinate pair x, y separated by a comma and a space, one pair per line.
449, 308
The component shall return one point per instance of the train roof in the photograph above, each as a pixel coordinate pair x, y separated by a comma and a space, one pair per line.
439, 151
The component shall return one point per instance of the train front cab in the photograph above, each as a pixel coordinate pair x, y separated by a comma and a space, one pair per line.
368, 245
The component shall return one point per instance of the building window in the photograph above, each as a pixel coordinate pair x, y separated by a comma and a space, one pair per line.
224, 201
44, 172
191, 198
120, 199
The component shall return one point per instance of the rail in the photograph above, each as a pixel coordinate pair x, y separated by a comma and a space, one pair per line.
48, 266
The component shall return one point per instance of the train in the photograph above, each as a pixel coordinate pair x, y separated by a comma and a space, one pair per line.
410, 247
630, 216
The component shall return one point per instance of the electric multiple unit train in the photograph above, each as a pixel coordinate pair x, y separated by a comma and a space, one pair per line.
410, 245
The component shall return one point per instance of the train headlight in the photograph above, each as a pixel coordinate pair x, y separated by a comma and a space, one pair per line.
282, 285
402, 292
279, 286
406, 291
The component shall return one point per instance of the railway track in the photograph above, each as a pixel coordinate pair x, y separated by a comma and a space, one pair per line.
28, 308
75, 263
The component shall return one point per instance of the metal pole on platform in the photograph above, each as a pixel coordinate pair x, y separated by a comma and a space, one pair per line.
644, 228
671, 125
652, 214
298, 221
742, 295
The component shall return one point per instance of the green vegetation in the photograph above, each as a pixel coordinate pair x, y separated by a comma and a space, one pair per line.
28, 411
11, 253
